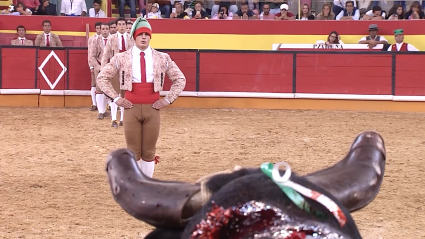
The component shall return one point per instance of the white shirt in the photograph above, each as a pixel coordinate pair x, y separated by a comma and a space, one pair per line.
398, 45
92, 13
370, 14
136, 65
154, 15
382, 38
75, 7
355, 15
120, 40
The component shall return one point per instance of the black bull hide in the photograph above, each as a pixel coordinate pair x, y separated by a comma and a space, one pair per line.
177, 208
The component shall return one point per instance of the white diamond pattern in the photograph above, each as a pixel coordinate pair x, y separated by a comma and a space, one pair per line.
52, 53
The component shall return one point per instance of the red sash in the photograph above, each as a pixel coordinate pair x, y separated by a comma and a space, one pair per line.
402, 48
142, 93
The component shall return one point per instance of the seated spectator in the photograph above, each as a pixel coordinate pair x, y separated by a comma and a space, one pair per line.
339, 5
373, 39
199, 13
266, 15
95, 11
284, 14
17, 10
32, 5
21, 40
224, 13
275, 7
326, 13
47, 9
396, 13
164, 7
305, 13
415, 12
130, 3
178, 11
400, 45
154, 13
255, 6
333, 38
144, 12
244, 13
231, 6
349, 13
362, 13
74, 8
375, 14
47, 38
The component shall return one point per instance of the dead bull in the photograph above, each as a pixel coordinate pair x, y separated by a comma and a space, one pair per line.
177, 209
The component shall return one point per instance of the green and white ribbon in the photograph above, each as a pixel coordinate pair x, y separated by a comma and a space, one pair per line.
294, 191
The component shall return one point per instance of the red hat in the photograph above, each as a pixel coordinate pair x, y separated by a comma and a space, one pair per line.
140, 26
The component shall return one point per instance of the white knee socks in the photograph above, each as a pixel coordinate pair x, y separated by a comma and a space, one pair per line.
101, 103
114, 109
93, 95
122, 113
147, 168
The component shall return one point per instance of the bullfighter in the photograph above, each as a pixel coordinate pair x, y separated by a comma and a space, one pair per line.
95, 56
93, 79
117, 43
141, 70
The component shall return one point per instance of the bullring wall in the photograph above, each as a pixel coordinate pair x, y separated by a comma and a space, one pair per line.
59, 77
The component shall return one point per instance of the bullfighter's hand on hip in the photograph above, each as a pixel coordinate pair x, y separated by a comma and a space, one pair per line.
160, 103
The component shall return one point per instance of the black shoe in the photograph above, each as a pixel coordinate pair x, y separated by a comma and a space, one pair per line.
93, 108
114, 124
121, 123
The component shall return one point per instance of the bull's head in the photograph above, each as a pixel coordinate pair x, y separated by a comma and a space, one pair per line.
235, 202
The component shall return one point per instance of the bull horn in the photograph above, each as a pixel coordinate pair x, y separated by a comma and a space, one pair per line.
160, 204
355, 180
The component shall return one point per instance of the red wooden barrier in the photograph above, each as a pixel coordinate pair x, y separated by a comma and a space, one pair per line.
246, 72
410, 73
186, 61
239, 71
51, 65
79, 76
363, 74
18, 68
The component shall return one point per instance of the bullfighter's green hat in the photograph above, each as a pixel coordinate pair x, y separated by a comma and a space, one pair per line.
141, 25
398, 32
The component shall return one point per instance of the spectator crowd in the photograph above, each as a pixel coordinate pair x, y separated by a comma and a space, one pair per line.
244, 9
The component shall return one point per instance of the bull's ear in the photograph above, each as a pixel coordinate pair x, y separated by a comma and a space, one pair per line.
162, 233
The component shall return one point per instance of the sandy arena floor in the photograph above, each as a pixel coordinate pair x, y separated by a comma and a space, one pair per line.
52, 164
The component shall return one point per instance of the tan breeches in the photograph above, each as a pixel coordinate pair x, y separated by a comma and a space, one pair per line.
115, 83
141, 130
